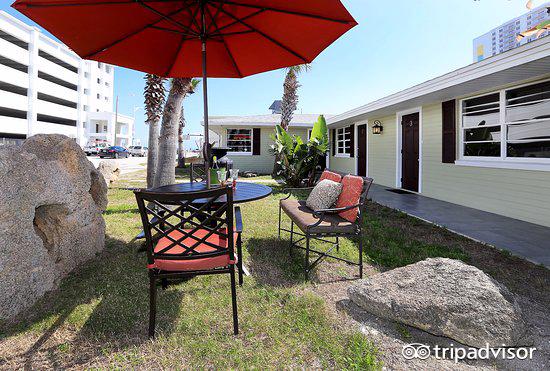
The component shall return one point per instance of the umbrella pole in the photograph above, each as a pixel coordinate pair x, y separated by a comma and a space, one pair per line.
206, 152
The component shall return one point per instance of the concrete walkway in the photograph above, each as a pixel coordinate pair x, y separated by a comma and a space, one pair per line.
530, 241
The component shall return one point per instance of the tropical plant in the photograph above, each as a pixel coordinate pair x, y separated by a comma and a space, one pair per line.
298, 160
167, 153
182, 122
154, 94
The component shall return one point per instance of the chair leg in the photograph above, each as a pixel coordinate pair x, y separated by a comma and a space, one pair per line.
291, 238
152, 304
279, 221
306, 261
360, 257
234, 301
337, 244
240, 258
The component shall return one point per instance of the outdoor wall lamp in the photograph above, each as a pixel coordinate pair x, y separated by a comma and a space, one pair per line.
377, 129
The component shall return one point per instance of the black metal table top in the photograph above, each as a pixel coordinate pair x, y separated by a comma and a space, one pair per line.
245, 191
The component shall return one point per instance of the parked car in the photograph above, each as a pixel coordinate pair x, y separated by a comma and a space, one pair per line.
114, 152
139, 151
93, 149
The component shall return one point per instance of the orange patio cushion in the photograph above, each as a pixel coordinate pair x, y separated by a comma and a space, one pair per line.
330, 176
352, 186
192, 264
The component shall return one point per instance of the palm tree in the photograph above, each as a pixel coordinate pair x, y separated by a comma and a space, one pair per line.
154, 95
290, 100
181, 159
166, 168
290, 94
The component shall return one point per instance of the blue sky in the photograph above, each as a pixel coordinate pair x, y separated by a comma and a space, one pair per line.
397, 44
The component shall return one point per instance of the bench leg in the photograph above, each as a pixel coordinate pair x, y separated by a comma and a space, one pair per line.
360, 257
306, 261
291, 237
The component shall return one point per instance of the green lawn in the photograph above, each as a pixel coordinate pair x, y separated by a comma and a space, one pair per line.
98, 317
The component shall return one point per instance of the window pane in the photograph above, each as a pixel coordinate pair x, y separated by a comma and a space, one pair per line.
481, 111
529, 149
491, 133
239, 140
528, 102
481, 118
482, 149
529, 131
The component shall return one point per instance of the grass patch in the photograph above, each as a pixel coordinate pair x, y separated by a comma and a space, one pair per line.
98, 317
390, 240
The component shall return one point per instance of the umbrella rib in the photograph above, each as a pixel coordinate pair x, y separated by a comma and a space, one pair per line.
242, 19
183, 39
278, 43
80, 3
285, 11
127, 36
224, 42
168, 17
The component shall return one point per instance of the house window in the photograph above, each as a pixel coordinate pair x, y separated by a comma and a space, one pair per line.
343, 141
239, 140
509, 125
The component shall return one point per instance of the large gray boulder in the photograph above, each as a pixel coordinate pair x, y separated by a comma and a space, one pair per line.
51, 201
448, 298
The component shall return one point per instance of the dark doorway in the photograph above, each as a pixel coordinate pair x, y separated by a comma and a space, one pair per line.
410, 125
362, 150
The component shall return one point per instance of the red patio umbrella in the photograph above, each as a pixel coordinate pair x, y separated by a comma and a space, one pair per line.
170, 38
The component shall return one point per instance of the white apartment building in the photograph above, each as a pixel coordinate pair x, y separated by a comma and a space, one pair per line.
503, 38
47, 88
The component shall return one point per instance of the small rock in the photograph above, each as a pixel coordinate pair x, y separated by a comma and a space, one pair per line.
448, 298
110, 169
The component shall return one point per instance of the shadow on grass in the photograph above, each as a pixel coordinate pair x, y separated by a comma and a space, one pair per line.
271, 263
104, 301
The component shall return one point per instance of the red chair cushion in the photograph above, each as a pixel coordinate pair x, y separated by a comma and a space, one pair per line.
192, 264
352, 186
327, 174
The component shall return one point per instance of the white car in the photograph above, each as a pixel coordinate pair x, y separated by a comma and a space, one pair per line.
139, 151
93, 149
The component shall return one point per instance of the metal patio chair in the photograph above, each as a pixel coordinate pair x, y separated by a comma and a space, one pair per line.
197, 173
323, 225
190, 238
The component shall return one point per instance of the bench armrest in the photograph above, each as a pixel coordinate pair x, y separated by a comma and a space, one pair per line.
289, 191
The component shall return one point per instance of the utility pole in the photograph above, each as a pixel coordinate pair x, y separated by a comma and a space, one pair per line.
116, 118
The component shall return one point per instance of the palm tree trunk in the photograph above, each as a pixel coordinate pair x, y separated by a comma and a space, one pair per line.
152, 152
181, 155
168, 140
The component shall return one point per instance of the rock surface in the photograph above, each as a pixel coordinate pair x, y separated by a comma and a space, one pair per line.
51, 201
110, 170
448, 298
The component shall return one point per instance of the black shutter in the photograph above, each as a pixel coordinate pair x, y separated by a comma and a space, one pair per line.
333, 135
256, 141
351, 130
448, 153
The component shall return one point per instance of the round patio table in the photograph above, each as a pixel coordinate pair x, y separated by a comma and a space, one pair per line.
244, 192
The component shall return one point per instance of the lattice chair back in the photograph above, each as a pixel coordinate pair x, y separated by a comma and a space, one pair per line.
186, 226
197, 173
